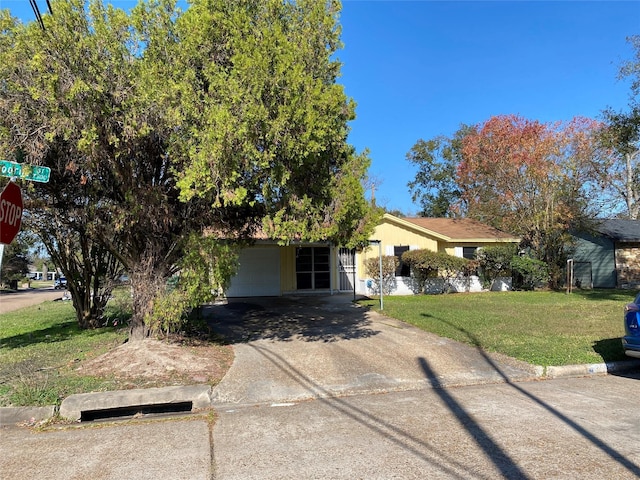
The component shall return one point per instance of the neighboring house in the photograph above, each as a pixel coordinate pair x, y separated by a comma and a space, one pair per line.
459, 237
268, 269
608, 257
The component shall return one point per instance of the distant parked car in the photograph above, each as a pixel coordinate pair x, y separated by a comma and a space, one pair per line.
60, 283
631, 339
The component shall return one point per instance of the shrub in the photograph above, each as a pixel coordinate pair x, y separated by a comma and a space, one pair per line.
427, 264
205, 270
495, 261
389, 265
528, 272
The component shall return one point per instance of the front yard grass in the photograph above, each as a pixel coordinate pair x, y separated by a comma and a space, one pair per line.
39, 348
42, 348
542, 328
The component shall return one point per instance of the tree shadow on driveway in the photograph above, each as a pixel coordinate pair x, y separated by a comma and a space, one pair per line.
307, 318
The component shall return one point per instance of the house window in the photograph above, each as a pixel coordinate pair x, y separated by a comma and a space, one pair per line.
313, 268
403, 268
469, 252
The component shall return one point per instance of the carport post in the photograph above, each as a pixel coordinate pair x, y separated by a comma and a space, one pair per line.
373, 242
354, 273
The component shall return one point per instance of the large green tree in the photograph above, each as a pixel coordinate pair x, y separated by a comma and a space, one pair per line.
620, 173
269, 122
434, 187
223, 119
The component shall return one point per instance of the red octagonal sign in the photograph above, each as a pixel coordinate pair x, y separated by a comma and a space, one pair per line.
10, 212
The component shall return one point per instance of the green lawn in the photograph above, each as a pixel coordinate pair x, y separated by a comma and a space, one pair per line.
542, 328
39, 347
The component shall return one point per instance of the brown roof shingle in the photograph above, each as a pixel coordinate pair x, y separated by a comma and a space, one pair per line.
461, 228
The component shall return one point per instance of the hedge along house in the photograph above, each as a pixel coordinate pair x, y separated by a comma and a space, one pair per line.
459, 237
609, 256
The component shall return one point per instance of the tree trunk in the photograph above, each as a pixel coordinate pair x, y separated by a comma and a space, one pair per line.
89, 309
632, 190
146, 283
138, 330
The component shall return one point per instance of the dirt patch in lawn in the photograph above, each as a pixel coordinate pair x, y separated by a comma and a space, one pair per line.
162, 363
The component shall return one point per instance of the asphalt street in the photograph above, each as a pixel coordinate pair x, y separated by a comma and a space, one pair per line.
24, 298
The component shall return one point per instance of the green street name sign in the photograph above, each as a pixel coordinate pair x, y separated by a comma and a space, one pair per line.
35, 173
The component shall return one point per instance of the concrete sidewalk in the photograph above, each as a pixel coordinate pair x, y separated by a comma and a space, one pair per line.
172, 449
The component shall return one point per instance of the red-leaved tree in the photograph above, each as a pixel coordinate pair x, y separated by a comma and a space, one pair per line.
531, 178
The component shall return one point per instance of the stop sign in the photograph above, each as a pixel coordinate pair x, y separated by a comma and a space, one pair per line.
10, 212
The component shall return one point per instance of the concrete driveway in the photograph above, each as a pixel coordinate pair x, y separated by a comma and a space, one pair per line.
299, 348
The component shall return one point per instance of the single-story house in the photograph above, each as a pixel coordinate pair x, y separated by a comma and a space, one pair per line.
269, 269
460, 237
608, 257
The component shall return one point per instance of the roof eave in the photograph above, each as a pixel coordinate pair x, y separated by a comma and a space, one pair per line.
416, 227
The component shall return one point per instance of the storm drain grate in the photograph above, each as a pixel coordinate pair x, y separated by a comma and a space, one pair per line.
132, 411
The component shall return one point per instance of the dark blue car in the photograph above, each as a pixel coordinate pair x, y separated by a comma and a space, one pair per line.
631, 339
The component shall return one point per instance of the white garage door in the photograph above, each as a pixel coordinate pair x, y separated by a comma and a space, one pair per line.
258, 273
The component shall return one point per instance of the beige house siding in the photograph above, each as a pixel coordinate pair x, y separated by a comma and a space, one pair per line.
394, 234
390, 235
450, 249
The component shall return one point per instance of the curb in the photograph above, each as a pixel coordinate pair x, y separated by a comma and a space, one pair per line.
25, 415
200, 396
101, 405
590, 369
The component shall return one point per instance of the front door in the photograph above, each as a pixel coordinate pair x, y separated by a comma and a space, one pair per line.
347, 263
313, 268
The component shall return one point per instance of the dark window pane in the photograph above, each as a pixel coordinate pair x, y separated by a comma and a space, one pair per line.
469, 252
303, 281
323, 280
304, 259
403, 269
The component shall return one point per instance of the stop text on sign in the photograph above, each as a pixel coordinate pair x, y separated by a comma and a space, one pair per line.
10, 213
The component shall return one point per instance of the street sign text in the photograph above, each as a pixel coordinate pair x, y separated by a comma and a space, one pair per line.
35, 173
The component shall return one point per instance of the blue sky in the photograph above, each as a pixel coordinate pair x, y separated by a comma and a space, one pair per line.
419, 69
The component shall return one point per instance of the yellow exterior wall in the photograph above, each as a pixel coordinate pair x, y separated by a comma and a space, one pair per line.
391, 234
288, 268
